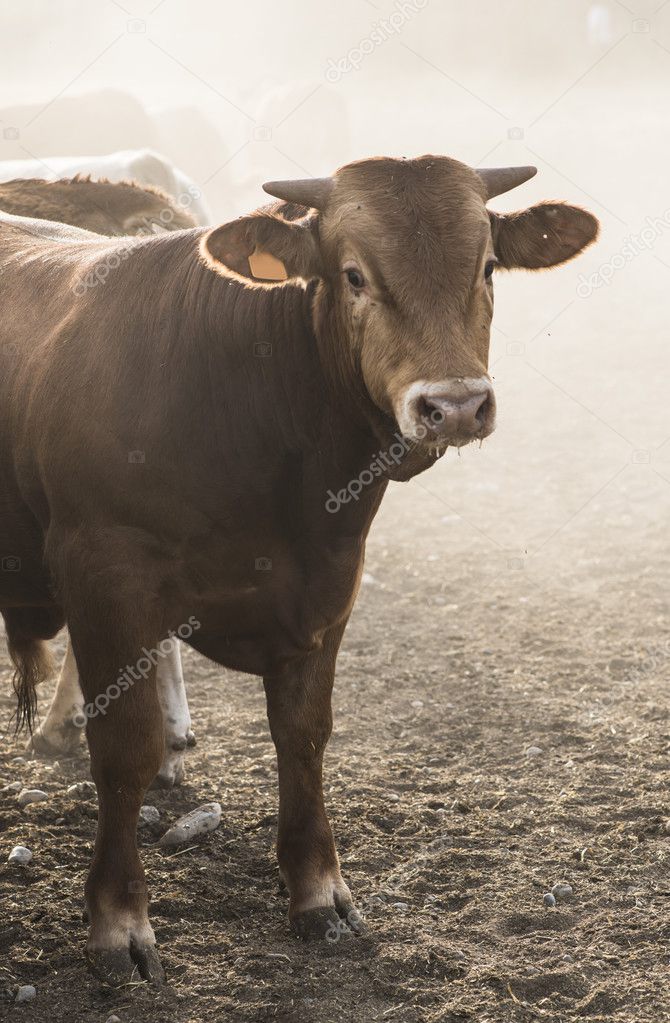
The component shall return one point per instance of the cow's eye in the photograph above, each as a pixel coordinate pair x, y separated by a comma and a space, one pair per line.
489, 267
355, 278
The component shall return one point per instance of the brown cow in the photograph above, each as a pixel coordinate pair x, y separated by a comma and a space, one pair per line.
170, 433
106, 207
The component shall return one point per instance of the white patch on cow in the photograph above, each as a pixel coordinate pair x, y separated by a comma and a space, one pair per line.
407, 407
61, 730
62, 726
324, 892
176, 716
118, 928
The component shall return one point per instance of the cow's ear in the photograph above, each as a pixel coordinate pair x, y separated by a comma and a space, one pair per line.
541, 236
265, 248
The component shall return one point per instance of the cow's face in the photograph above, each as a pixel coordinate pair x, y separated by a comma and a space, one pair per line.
408, 256
406, 251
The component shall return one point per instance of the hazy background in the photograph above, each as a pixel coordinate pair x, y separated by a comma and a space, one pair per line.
578, 473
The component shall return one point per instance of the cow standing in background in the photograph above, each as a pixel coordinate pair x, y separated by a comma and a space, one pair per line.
141, 166
114, 209
104, 207
379, 328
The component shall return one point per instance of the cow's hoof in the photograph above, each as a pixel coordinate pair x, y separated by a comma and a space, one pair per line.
56, 742
170, 775
328, 923
120, 966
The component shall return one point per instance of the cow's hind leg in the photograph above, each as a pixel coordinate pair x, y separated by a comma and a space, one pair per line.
125, 737
299, 711
176, 717
60, 733
61, 730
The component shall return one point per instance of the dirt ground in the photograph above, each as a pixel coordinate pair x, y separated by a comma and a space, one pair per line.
461, 655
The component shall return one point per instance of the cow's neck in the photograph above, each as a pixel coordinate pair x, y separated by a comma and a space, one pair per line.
274, 389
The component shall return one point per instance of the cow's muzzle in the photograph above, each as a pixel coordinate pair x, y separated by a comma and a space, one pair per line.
452, 411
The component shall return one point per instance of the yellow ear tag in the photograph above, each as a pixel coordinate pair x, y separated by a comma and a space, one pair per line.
266, 267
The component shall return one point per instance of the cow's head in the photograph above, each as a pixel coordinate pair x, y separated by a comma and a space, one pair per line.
406, 252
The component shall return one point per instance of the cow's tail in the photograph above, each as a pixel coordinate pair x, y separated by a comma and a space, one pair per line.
26, 629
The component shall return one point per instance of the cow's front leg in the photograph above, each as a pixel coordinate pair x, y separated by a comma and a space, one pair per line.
299, 711
125, 737
60, 732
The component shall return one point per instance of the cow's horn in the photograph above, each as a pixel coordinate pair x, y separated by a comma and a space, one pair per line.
312, 192
500, 179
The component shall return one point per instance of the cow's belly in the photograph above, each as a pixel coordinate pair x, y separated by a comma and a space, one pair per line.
273, 615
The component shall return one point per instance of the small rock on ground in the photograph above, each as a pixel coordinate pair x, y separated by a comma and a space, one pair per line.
149, 814
27, 796
20, 854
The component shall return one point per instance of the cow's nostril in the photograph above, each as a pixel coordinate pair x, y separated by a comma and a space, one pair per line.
427, 408
483, 411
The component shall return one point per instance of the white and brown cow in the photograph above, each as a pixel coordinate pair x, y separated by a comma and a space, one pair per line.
141, 166
115, 209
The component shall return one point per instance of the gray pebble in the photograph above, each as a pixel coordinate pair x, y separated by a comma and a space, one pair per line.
26, 993
562, 891
20, 854
112, 1019
14, 786
18, 760
149, 815
82, 790
27, 796
534, 751
402, 907
549, 900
